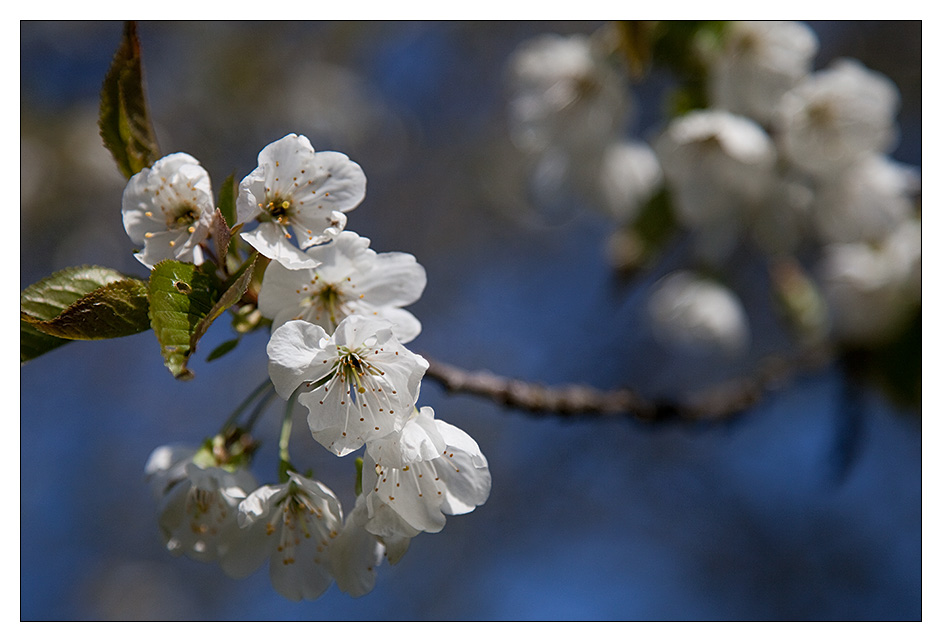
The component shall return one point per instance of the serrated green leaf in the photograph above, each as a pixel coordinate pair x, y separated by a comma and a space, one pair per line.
124, 121
231, 293
115, 310
184, 302
181, 296
34, 343
49, 297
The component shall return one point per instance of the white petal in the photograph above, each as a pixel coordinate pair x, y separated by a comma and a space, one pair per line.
248, 551
405, 326
319, 229
251, 194
304, 577
419, 440
296, 354
463, 469
258, 504
282, 290
339, 183
467, 484
355, 553
394, 280
269, 239
166, 466
396, 547
386, 523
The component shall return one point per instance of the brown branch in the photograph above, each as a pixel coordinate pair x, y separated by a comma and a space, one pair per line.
719, 401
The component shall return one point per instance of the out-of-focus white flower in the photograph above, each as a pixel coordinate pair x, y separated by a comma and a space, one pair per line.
716, 165
833, 117
872, 289
168, 209
692, 313
866, 202
629, 176
351, 279
564, 94
758, 63
292, 525
359, 384
414, 477
198, 506
297, 193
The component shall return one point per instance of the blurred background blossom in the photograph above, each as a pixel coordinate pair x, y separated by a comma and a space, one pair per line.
805, 506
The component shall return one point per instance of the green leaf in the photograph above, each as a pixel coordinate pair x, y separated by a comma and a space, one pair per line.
34, 343
637, 245
184, 302
222, 349
115, 310
679, 45
110, 308
181, 296
232, 292
123, 121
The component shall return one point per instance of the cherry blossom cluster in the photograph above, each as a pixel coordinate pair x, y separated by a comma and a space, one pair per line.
793, 159
336, 348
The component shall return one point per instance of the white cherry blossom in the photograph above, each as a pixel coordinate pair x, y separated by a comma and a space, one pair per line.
414, 477
198, 506
871, 289
292, 525
351, 279
758, 63
698, 315
168, 208
358, 384
833, 117
629, 175
866, 202
716, 164
297, 193
564, 94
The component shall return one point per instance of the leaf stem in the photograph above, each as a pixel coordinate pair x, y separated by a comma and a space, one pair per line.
286, 424
261, 389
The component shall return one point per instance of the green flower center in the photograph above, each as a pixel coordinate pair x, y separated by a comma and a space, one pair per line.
330, 299
183, 217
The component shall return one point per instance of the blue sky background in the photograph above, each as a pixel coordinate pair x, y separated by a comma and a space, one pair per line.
769, 515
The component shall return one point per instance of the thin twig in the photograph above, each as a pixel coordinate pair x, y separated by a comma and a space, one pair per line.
720, 401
